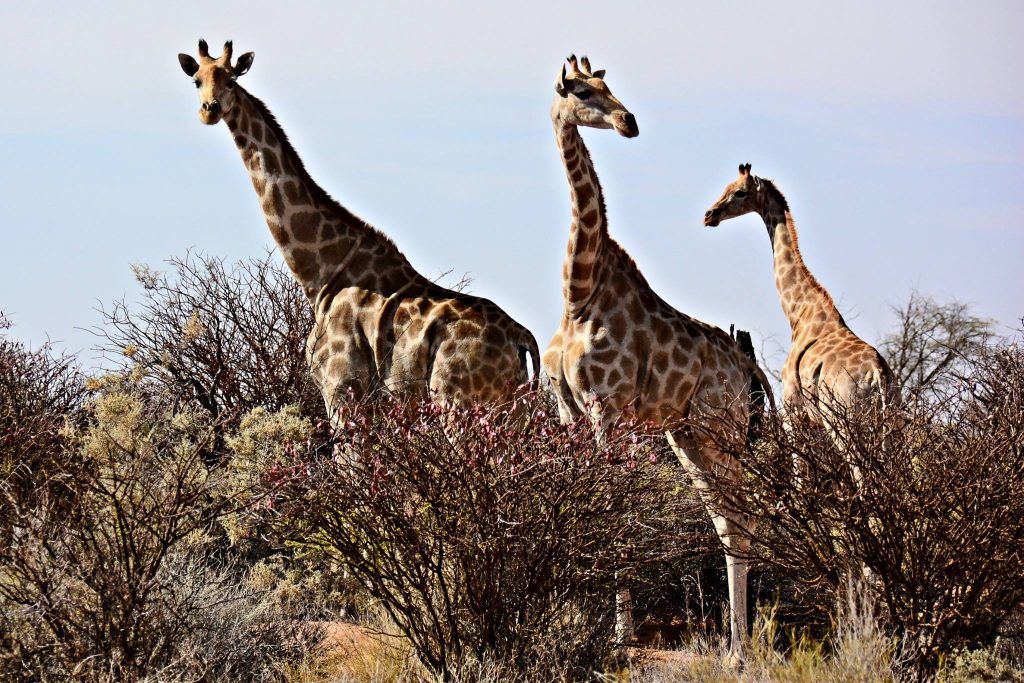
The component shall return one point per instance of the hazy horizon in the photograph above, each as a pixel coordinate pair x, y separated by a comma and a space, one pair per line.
895, 132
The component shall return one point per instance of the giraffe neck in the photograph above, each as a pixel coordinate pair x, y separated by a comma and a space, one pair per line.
589, 231
325, 246
806, 304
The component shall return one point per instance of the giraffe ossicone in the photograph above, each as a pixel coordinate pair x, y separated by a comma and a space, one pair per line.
379, 324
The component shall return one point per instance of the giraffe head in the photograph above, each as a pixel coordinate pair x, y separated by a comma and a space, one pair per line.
584, 100
215, 79
741, 196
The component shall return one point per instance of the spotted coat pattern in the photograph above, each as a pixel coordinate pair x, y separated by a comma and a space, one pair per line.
826, 362
621, 347
378, 322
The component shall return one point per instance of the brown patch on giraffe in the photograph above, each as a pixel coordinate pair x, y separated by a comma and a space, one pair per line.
272, 203
358, 263
305, 262
637, 314
584, 194
305, 225
294, 193
589, 219
415, 327
279, 234
582, 271
271, 163
617, 326
328, 231
662, 332
332, 253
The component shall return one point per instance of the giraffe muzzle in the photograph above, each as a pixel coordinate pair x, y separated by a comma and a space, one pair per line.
626, 125
210, 113
711, 218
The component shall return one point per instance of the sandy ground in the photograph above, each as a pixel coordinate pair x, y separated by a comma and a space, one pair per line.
345, 640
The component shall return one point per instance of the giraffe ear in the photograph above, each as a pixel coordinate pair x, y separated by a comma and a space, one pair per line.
561, 87
244, 63
188, 65
598, 73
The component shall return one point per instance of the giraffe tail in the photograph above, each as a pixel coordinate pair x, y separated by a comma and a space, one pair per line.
527, 346
760, 388
766, 388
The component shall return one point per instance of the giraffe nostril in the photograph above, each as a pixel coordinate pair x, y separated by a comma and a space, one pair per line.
707, 214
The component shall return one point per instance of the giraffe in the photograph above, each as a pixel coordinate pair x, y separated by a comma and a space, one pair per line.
620, 346
827, 362
378, 322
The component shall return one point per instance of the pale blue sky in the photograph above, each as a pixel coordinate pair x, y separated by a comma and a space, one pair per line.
896, 130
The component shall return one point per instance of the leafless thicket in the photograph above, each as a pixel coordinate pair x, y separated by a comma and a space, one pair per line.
925, 496
488, 535
225, 338
41, 394
934, 343
107, 572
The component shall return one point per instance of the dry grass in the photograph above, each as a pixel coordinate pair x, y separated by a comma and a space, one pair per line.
350, 653
857, 652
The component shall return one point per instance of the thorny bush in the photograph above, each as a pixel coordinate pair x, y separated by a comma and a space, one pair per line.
42, 396
924, 498
221, 338
486, 534
108, 571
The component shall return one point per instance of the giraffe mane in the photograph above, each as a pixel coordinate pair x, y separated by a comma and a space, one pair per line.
316, 191
776, 194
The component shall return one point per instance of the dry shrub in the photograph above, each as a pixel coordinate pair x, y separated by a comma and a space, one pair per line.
224, 339
924, 497
491, 537
857, 651
116, 578
41, 397
934, 342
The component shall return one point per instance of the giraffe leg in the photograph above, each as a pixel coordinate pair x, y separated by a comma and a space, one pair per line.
623, 615
602, 419
732, 529
568, 411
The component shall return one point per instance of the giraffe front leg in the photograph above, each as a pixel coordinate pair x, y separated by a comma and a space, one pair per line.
732, 527
568, 411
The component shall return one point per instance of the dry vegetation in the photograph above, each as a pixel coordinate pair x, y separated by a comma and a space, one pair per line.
192, 516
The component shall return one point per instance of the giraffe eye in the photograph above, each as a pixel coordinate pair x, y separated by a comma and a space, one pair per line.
582, 94
196, 81
740, 194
